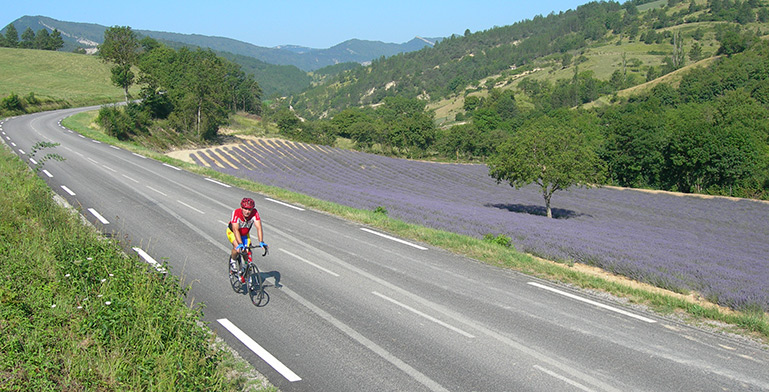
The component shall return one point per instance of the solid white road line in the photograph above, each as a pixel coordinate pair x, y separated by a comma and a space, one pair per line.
68, 190
98, 216
393, 238
310, 263
377, 349
136, 181
284, 204
190, 207
594, 303
562, 378
144, 255
258, 350
151, 188
217, 182
431, 318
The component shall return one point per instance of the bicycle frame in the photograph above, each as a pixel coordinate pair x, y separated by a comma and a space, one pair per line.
251, 277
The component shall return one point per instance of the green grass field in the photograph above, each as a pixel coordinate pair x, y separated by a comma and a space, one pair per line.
57, 77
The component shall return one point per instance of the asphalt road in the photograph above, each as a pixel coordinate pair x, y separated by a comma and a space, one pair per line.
352, 309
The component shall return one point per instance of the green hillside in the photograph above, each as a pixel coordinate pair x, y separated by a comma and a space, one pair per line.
635, 38
56, 78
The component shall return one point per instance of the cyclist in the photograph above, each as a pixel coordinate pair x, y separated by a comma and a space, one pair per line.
239, 229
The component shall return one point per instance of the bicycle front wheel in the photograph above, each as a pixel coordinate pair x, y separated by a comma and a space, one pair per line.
256, 286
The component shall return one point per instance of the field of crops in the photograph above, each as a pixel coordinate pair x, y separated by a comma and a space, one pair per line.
717, 247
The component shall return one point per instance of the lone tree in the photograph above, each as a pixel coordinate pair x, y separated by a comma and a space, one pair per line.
552, 155
121, 48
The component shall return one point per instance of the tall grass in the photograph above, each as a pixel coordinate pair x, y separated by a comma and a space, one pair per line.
78, 314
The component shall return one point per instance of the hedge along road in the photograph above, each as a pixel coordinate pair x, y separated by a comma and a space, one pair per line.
362, 310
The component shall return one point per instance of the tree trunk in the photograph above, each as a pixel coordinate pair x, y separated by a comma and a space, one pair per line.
547, 193
198, 122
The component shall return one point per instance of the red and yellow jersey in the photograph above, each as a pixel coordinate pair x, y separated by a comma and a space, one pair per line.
244, 224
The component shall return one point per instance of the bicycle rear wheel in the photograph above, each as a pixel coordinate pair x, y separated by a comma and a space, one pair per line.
256, 286
237, 286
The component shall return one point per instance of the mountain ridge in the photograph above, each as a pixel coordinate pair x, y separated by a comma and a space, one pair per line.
89, 35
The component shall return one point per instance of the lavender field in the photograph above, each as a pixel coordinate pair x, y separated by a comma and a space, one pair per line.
717, 247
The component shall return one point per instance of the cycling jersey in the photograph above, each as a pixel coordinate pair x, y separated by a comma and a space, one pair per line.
244, 224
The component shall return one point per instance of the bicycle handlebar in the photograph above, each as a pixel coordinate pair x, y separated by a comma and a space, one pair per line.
257, 246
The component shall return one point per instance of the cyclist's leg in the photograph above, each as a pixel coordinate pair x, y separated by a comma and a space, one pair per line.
234, 251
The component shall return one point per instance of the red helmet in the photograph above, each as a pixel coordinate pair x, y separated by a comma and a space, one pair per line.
247, 202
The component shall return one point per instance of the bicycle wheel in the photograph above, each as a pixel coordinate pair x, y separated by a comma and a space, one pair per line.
234, 279
256, 286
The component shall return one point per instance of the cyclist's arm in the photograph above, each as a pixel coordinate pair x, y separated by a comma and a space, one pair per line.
258, 226
236, 230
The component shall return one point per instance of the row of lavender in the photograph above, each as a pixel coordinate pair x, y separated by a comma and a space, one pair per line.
717, 247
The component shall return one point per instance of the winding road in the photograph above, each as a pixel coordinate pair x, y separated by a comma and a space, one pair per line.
354, 309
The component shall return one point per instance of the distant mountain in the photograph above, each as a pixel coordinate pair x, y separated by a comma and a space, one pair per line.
88, 36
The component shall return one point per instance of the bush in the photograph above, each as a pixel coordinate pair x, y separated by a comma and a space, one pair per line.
122, 124
500, 239
31, 99
12, 103
114, 122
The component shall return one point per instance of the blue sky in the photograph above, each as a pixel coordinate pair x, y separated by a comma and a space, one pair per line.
315, 24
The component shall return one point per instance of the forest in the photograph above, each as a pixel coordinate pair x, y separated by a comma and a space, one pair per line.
42, 40
186, 95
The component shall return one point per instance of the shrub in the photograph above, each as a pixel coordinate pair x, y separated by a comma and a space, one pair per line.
31, 99
121, 123
12, 103
500, 239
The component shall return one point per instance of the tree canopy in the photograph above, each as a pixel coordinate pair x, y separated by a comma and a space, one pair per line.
551, 154
120, 47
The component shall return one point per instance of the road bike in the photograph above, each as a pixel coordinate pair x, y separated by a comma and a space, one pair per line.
249, 275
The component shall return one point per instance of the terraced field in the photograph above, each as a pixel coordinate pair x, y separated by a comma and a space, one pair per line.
715, 246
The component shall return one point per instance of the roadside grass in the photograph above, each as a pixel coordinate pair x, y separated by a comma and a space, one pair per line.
76, 313
695, 311
57, 79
